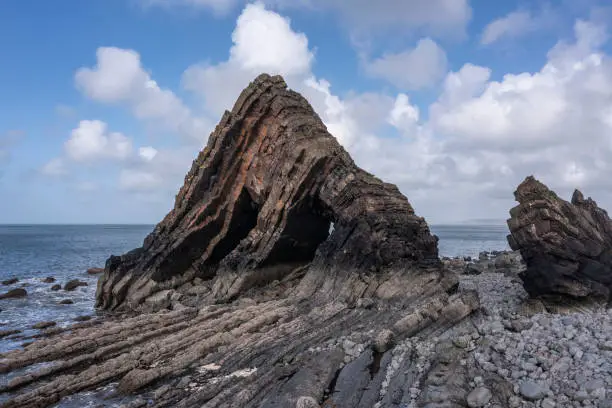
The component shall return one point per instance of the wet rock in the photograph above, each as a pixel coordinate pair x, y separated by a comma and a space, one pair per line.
6, 333
48, 279
43, 325
66, 302
82, 318
95, 271
567, 246
10, 281
14, 294
56, 287
73, 284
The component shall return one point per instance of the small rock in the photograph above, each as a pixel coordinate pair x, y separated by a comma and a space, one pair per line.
6, 333
73, 284
306, 402
531, 391
14, 294
95, 271
479, 397
548, 403
82, 318
10, 281
581, 395
384, 341
48, 279
56, 287
43, 325
66, 302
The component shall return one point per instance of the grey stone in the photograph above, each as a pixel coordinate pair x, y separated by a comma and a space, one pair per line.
531, 390
479, 397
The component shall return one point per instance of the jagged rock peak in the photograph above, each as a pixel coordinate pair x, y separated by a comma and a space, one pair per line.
567, 246
257, 205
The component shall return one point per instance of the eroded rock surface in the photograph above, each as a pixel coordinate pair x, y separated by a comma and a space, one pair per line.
567, 246
258, 203
241, 297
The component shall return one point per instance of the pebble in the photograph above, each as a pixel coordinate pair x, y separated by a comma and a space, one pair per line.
479, 397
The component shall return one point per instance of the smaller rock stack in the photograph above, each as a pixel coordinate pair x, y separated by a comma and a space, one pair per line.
567, 246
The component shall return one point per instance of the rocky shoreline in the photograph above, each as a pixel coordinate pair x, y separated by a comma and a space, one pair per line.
510, 352
286, 276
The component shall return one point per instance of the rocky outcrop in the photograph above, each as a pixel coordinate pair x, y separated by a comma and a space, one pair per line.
258, 204
567, 246
250, 300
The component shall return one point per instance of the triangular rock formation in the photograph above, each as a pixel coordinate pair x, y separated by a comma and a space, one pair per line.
258, 203
268, 309
567, 246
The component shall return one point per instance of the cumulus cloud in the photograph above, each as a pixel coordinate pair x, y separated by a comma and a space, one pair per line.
263, 41
147, 153
412, 69
119, 77
92, 141
472, 145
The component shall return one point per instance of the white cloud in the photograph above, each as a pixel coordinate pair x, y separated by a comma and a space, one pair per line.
263, 41
415, 68
147, 153
512, 25
92, 141
522, 22
119, 77
474, 144
55, 167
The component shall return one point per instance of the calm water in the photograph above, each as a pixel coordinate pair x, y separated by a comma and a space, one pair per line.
31, 253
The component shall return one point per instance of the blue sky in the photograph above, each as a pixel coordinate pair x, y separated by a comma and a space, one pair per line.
104, 104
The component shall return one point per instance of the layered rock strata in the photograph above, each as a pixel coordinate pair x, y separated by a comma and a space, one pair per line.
567, 246
258, 203
250, 300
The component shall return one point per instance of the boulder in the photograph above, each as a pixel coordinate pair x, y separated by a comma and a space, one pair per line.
56, 287
14, 294
567, 246
48, 279
73, 284
95, 271
66, 302
10, 281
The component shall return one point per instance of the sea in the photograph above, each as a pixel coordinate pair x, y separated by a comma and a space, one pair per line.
31, 253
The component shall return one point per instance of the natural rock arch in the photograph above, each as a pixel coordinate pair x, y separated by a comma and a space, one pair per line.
258, 203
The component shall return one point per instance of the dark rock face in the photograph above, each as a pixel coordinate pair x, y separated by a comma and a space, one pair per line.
14, 293
567, 246
10, 281
73, 284
258, 202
